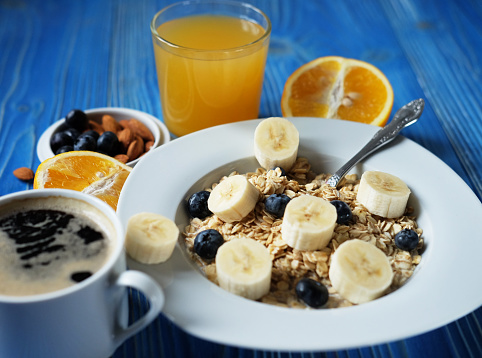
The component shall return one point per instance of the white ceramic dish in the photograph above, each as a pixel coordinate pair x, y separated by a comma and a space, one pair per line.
443, 288
158, 129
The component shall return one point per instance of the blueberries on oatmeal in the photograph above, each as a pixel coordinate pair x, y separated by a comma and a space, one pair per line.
275, 204
197, 204
207, 243
407, 240
312, 293
343, 211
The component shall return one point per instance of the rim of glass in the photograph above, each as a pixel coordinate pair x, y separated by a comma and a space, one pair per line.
266, 34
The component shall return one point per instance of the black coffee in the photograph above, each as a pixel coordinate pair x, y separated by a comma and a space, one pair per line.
50, 243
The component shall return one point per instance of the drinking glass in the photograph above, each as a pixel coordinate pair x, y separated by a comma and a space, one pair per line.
210, 60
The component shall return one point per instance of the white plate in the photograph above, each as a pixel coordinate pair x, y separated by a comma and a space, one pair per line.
444, 287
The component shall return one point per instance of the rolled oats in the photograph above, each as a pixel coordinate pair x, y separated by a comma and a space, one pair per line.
289, 265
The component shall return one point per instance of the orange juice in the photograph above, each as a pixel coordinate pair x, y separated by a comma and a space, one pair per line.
210, 70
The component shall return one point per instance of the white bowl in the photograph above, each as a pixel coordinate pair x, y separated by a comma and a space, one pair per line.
158, 129
441, 290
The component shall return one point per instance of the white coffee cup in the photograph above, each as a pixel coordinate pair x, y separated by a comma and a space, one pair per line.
88, 319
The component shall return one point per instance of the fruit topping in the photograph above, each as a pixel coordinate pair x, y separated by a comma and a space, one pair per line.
308, 223
383, 194
311, 292
343, 212
243, 267
197, 204
275, 204
407, 239
283, 172
276, 143
360, 271
233, 198
207, 243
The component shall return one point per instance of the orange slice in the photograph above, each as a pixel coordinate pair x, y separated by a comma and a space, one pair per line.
338, 87
90, 172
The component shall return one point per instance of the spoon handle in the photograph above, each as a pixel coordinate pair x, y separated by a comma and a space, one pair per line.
404, 117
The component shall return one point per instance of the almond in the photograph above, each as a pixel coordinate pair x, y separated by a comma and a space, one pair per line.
96, 127
136, 148
140, 129
148, 145
23, 173
110, 124
124, 123
125, 136
122, 158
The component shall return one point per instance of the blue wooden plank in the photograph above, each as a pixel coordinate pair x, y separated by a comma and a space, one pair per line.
443, 56
56, 55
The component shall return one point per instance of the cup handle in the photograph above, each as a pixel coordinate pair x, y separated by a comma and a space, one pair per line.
152, 291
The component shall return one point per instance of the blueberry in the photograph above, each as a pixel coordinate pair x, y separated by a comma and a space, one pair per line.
108, 143
91, 133
343, 212
85, 142
311, 292
73, 133
407, 239
275, 204
197, 204
77, 119
65, 148
207, 243
283, 172
60, 139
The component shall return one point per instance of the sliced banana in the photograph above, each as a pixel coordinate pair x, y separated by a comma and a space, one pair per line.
233, 198
308, 223
243, 267
150, 238
359, 271
276, 142
383, 194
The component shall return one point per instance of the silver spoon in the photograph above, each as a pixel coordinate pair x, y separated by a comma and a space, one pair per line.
405, 116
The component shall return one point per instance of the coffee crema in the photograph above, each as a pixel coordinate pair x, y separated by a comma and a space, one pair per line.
50, 243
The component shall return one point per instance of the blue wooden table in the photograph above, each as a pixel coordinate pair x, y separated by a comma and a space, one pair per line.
57, 55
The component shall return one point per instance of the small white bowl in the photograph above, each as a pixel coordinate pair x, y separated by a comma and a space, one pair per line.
158, 129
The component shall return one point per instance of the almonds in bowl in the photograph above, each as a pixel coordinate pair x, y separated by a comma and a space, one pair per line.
123, 133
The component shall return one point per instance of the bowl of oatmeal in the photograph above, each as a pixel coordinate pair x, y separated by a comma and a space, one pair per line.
420, 302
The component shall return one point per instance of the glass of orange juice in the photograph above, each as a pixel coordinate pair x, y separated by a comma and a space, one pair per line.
210, 59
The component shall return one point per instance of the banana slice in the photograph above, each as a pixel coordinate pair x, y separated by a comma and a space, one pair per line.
383, 194
276, 143
308, 223
243, 267
150, 238
359, 271
233, 198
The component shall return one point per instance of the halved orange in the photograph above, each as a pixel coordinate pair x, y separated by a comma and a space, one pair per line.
90, 172
338, 87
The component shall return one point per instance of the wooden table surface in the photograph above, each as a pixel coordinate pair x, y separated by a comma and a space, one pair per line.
57, 55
